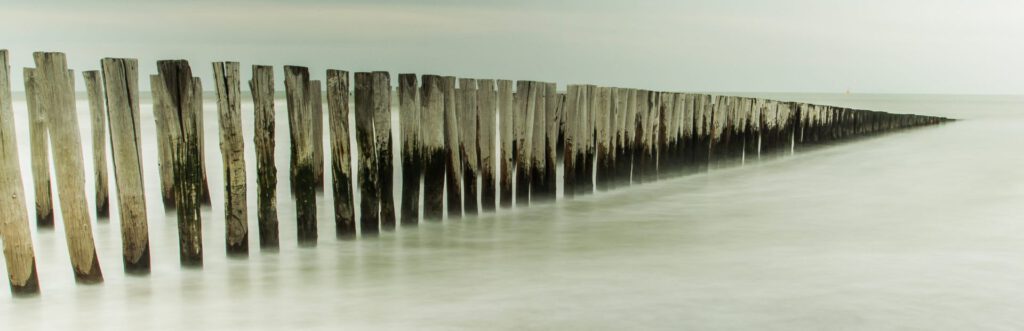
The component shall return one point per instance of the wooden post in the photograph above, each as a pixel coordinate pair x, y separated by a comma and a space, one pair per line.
654, 127
56, 98
506, 114
14, 229
467, 117
303, 181
341, 162
197, 86
524, 122
629, 135
40, 149
602, 126
165, 158
552, 119
585, 179
751, 144
369, 205
453, 160
432, 153
99, 141
180, 115
262, 89
316, 104
121, 83
662, 140
412, 165
538, 156
571, 120
382, 131
229, 106
487, 108
642, 133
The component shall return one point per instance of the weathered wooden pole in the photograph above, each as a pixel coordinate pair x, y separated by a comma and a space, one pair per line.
227, 78
487, 113
39, 143
602, 126
14, 229
538, 156
303, 181
571, 120
341, 166
369, 187
262, 89
165, 157
94, 90
506, 130
382, 133
654, 127
629, 137
615, 130
121, 83
453, 159
316, 104
467, 117
553, 108
525, 99
585, 174
642, 132
432, 152
179, 114
412, 165
56, 99
751, 146
197, 87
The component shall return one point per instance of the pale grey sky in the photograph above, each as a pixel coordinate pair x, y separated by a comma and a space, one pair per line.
867, 46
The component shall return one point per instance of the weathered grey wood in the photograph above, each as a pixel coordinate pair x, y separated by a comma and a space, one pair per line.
467, 116
227, 78
99, 142
620, 171
433, 155
262, 89
487, 113
552, 122
19, 254
664, 139
197, 86
569, 161
629, 130
603, 141
688, 135
654, 133
341, 159
165, 158
538, 154
56, 99
640, 158
526, 101
506, 130
369, 187
121, 83
412, 165
316, 105
382, 133
453, 160
303, 181
40, 153
180, 115
585, 178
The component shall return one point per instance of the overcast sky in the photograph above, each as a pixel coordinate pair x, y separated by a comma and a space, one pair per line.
880, 46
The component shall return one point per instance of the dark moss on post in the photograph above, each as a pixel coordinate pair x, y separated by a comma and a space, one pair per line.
341, 169
303, 182
262, 89
369, 187
432, 153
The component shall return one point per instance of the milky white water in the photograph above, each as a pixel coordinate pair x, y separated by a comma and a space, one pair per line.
921, 229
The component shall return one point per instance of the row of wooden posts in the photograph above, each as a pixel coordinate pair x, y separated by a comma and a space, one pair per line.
604, 137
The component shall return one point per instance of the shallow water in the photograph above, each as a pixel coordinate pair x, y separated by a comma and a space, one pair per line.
918, 229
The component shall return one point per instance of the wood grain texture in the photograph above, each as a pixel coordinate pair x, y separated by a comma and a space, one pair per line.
56, 98
506, 152
98, 126
121, 84
40, 152
341, 153
300, 122
165, 158
409, 132
432, 141
453, 158
571, 140
468, 142
381, 94
180, 114
261, 87
487, 108
227, 79
19, 255
369, 187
